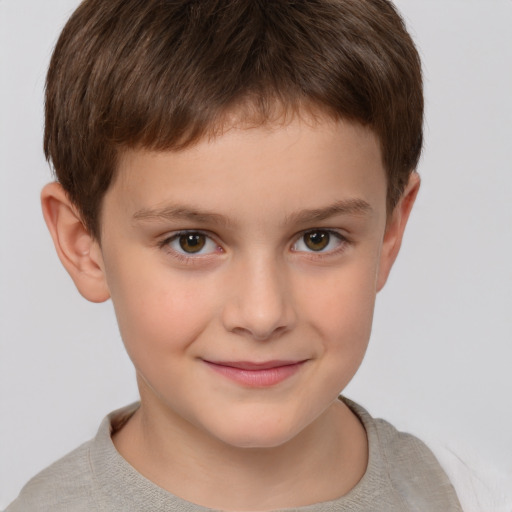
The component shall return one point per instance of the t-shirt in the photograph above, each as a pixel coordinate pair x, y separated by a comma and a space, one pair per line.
402, 475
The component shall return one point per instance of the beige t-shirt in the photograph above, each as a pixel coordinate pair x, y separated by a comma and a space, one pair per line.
402, 475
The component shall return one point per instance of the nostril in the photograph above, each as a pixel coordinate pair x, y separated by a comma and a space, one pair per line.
260, 335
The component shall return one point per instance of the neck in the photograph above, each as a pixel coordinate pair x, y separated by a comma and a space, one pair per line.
322, 463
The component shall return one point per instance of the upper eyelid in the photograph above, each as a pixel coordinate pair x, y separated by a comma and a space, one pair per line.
174, 234
329, 230
336, 232
342, 239
166, 240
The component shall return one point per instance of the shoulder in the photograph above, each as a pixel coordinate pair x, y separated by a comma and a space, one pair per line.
89, 479
411, 464
64, 486
409, 467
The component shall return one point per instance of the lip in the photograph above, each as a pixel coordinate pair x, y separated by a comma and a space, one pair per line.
256, 374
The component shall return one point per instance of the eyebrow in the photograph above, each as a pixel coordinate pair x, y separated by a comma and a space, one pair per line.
354, 207
172, 212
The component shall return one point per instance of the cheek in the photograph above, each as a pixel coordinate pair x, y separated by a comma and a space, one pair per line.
341, 308
158, 312
341, 318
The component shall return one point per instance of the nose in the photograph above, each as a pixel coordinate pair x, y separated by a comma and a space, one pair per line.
260, 303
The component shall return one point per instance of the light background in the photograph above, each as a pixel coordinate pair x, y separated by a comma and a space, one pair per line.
439, 363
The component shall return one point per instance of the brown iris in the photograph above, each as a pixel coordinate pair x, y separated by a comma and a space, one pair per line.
192, 242
317, 240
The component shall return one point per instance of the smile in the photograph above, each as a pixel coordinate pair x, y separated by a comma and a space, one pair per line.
256, 375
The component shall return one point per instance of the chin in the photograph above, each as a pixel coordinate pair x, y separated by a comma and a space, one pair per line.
261, 435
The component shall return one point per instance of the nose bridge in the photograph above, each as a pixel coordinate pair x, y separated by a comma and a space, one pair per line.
260, 303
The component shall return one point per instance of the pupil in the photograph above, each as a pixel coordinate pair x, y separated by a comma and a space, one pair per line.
192, 243
317, 240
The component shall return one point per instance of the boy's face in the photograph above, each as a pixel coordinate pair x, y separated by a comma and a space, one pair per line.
244, 271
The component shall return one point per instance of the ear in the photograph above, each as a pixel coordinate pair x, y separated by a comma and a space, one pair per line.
78, 251
395, 229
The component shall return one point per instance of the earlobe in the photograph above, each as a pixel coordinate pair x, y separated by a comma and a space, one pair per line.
395, 229
78, 251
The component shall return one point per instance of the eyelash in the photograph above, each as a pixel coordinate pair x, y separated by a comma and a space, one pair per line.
342, 243
192, 258
182, 257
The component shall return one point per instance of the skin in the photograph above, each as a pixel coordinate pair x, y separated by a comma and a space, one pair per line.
256, 292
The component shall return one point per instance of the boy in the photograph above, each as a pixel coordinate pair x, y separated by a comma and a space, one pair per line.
236, 176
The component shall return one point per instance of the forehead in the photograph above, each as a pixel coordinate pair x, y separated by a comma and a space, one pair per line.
276, 167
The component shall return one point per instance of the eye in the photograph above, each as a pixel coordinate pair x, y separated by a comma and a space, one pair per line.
191, 243
319, 240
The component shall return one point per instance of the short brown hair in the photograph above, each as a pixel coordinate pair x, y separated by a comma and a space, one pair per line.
162, 74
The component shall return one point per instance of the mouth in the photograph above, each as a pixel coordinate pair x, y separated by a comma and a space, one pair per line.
256, 374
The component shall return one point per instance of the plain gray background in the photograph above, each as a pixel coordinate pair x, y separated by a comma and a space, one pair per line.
439, 362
